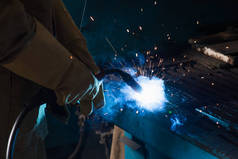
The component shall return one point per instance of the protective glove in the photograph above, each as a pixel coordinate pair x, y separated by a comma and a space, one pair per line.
87, 105
46, 62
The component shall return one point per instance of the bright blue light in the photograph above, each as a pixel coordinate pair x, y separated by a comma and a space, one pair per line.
41, 124
152, 96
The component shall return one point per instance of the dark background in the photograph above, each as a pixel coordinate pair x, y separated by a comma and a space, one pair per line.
173, 17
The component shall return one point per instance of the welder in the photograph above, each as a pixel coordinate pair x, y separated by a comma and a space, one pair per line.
40, 46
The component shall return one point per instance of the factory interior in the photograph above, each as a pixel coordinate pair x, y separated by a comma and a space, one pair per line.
184, 55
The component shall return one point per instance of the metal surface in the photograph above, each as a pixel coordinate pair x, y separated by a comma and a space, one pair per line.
193, 81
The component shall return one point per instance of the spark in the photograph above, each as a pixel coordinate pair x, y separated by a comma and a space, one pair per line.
155, 48
197, 22
127, 30
92, 18
155, 3
110, 44
217, 55
168, 36
140, 28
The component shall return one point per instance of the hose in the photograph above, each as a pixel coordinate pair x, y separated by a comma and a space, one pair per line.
43, 96
48, 96
14, 132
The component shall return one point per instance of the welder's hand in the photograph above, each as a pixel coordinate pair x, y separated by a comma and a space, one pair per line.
88, 104
78, 84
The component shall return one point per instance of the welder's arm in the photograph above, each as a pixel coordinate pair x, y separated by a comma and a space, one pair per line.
41, 58
70, 36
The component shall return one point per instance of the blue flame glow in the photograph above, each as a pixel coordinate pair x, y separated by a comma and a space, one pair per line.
177, 120
152, 97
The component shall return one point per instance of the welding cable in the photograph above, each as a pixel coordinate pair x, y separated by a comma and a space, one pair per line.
43, 96
14, 132
82, 125
48, 96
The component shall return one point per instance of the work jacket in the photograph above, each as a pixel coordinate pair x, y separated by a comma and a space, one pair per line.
16, 31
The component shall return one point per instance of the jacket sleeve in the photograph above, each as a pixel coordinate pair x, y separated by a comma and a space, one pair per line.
40, 58
70, 36
16, 29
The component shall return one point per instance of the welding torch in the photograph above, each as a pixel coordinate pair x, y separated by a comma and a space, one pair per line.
48, 96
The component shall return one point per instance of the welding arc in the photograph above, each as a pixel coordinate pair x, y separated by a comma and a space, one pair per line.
126, 77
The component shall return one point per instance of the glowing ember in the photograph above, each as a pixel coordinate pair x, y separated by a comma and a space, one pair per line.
92, 18
152, 97
217, 55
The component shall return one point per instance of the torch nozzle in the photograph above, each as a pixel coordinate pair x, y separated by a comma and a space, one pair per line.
126, 77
